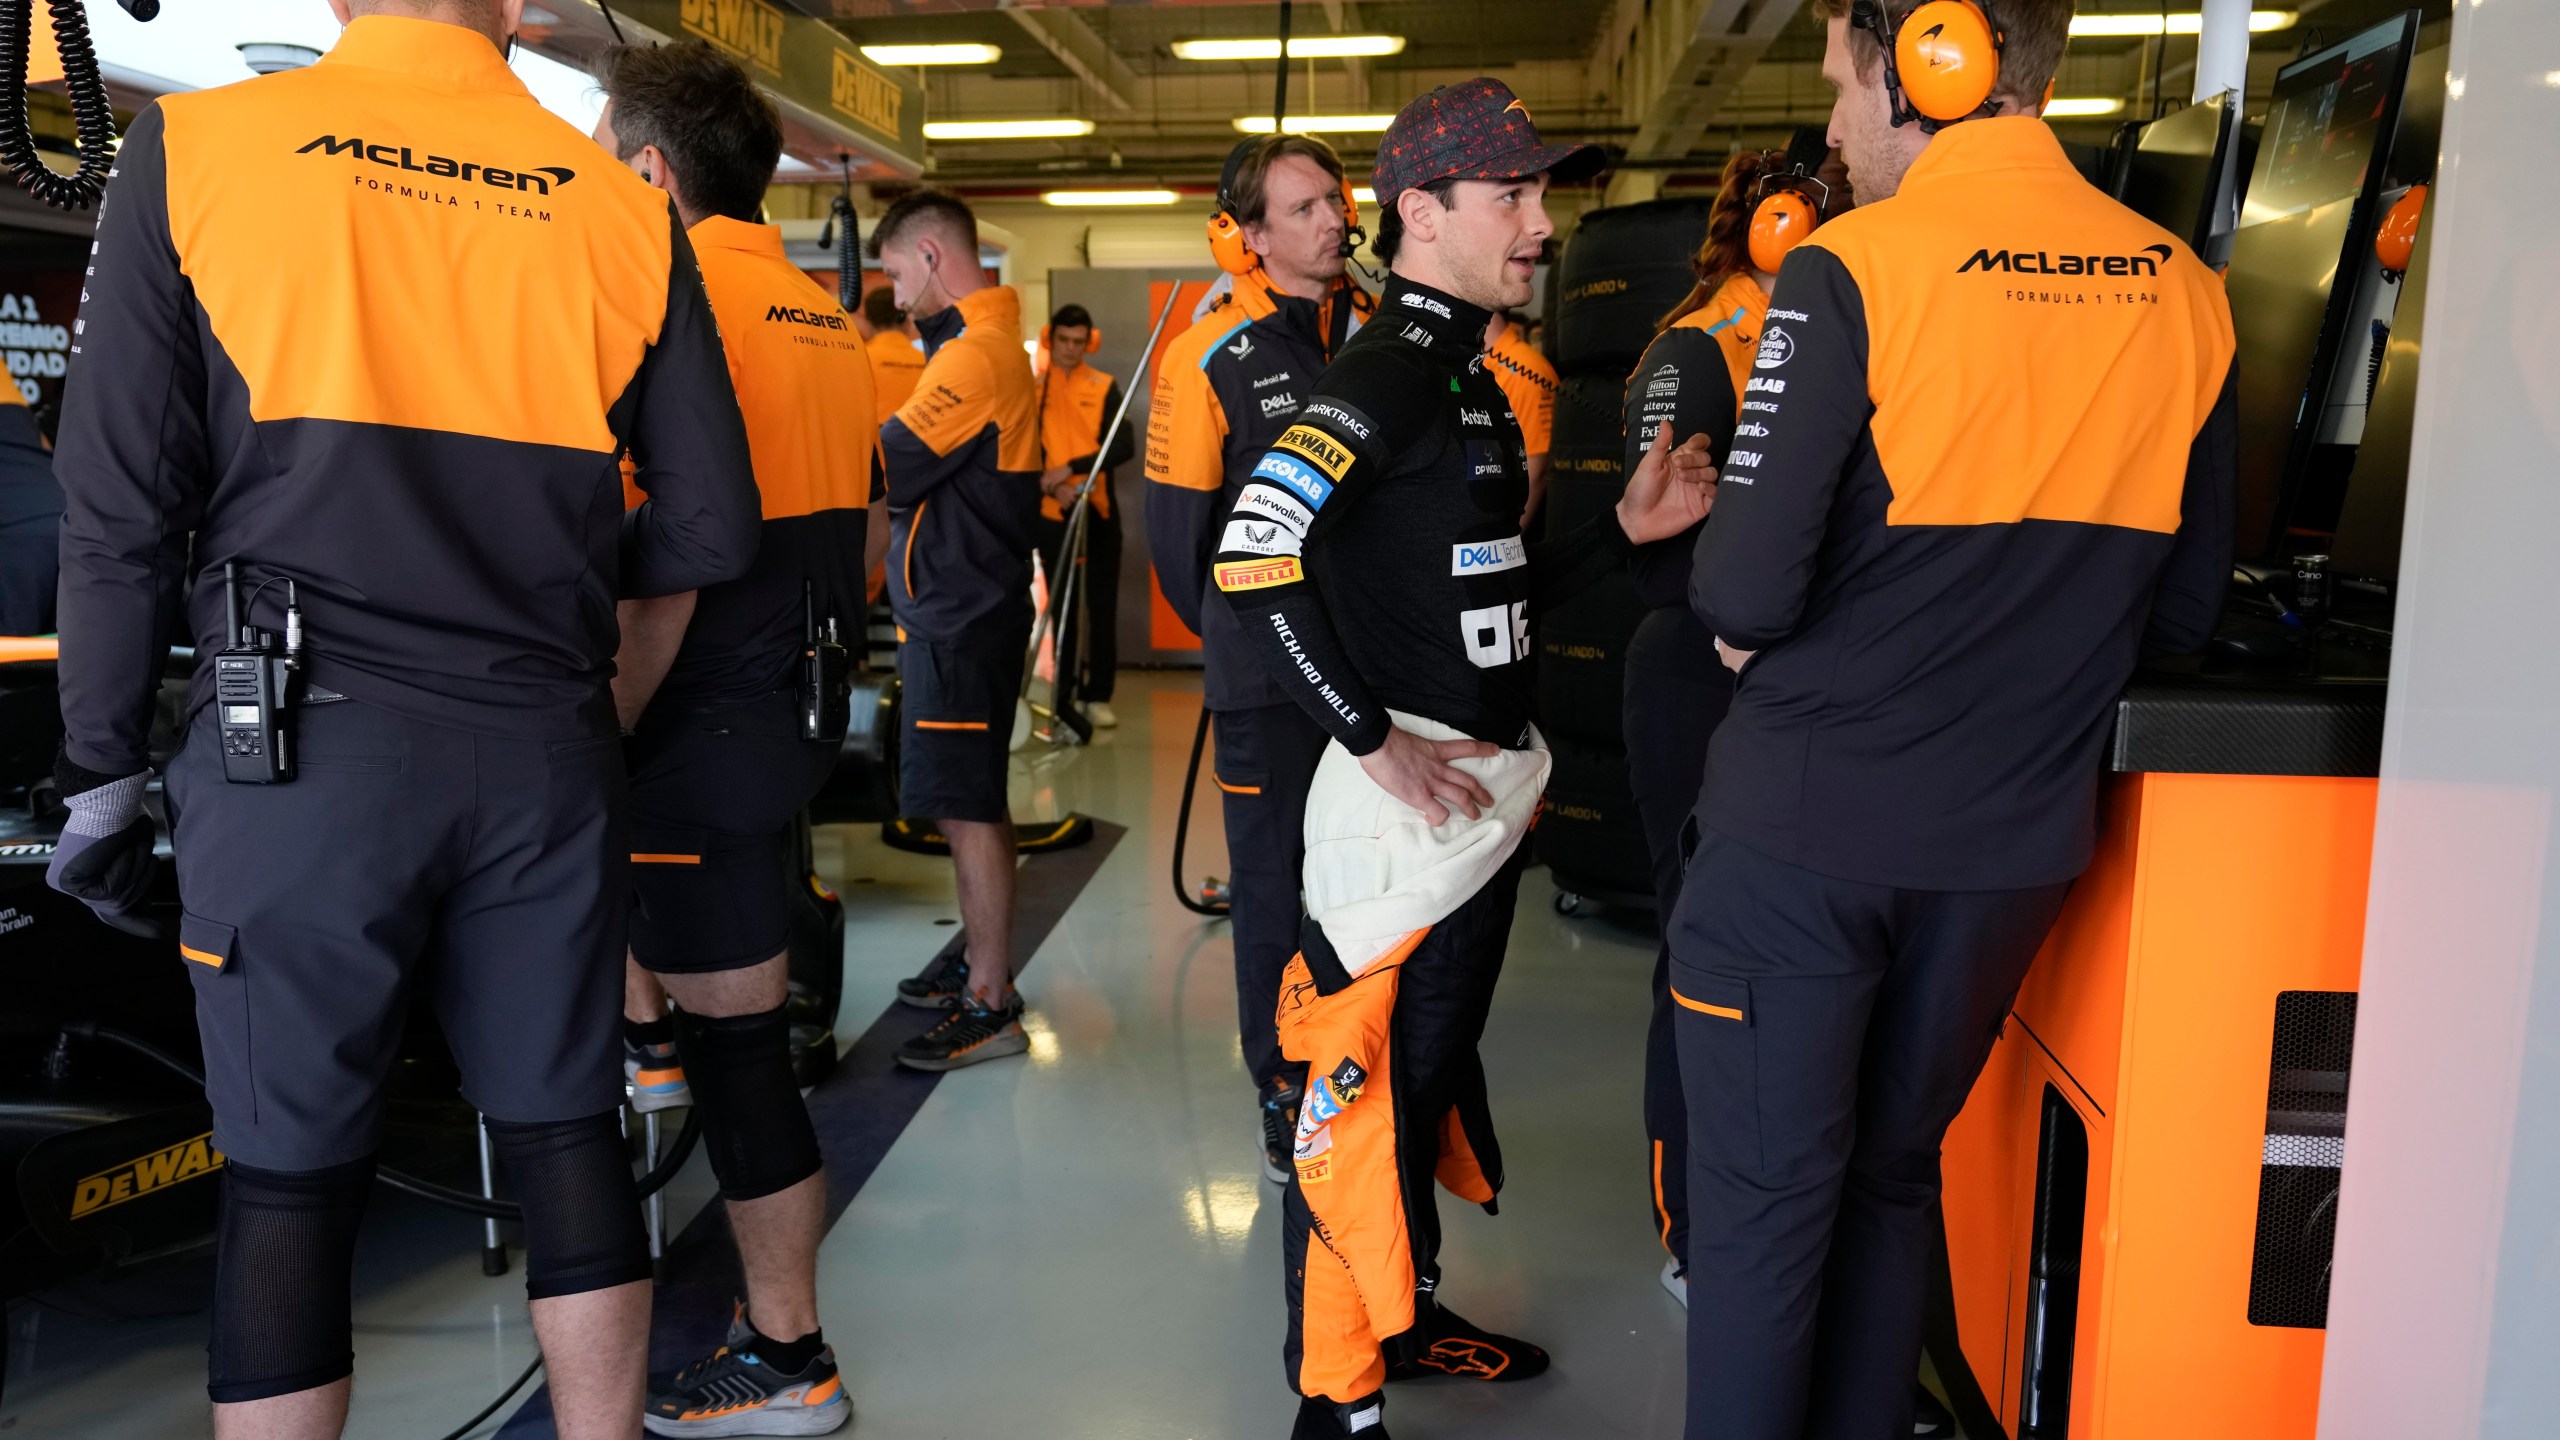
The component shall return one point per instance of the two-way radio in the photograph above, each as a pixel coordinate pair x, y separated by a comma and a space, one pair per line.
826, 675
253, 688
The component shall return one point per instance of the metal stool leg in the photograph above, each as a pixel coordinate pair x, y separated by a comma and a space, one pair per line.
657, 1198
493, 1250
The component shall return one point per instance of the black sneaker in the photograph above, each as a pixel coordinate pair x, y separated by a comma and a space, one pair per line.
941, 985
966, 1036
732, 1392
1279, 1129
1440, 1343
1322, 1419
1930, 1420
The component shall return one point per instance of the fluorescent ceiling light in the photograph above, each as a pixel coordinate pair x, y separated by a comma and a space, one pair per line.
932, 54
2084, 109
1006, 129
1312, 124
1109, 197
1365, 194
1303, 47
2176, 23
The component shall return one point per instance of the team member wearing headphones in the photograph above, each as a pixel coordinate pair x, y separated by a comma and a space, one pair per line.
1076, 402
1375, 561
445, 512
1530, 384
1225, 389
963, 456
896, 357
721, 766
1935, 579
1676, 691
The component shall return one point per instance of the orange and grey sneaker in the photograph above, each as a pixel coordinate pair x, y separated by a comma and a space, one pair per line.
655, 1076
1441, 1343
740, 1389
966, 1036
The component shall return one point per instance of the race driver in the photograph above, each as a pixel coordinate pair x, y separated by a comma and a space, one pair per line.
1935, 578
1374, 559
709, 683
444, 516
1226, 389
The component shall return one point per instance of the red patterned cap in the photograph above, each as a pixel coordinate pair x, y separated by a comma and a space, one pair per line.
1475, 131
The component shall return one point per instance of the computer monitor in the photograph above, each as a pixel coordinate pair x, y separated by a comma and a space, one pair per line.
2178, 174
2306, 223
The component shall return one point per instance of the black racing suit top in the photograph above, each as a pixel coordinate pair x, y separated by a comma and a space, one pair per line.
1375, 555
1225, 389
289, 355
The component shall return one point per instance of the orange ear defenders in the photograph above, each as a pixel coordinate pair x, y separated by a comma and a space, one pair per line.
1226, 233
1941, 61
2397, 240
1783, 217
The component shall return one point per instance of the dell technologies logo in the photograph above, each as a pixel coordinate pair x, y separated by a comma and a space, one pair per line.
2039, 262
399, 157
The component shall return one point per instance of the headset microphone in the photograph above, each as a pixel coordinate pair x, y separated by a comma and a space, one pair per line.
1941, 61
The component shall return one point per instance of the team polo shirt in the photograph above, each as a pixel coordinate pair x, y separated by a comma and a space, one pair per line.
963, 457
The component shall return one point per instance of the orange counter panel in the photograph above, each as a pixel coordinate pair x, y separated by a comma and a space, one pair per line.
2152, 1010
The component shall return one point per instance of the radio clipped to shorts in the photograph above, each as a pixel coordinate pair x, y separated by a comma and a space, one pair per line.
253, 688
826, 676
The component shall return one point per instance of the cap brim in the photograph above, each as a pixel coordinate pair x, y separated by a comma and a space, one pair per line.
1561, 164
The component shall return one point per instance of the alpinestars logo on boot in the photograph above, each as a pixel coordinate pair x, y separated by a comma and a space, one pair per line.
537, 178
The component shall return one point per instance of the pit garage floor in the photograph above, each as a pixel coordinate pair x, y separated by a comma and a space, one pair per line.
1073, 1244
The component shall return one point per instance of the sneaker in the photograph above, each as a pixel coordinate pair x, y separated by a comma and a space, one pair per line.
732, 1392
1930, 1419
941, 984
1676, 1280
1441, 1343
1322, 1419
1279, 1130
966, 1036
655, 1078
1102, 715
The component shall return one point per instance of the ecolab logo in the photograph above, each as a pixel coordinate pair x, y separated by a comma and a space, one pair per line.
2039, 262
399, 157
793, 314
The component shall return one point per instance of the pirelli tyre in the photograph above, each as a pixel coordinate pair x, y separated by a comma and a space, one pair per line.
1582, 676
1621, 269
1589, 835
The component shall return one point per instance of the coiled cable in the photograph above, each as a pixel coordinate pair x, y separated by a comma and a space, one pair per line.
93, 118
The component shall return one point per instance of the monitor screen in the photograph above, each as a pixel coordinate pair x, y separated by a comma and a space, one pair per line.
2306, 222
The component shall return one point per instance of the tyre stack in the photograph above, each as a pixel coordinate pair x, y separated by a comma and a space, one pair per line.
1620, 270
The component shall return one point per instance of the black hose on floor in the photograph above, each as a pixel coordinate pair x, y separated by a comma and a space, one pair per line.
1182, 820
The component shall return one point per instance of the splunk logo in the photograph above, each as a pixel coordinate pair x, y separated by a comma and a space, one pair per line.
2040, 262
539, 179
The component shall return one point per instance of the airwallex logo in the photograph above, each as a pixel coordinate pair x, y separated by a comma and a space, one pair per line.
534, 179
2042, 262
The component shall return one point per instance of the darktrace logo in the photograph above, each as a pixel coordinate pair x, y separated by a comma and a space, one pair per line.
794, 315
2042, 262
535, 179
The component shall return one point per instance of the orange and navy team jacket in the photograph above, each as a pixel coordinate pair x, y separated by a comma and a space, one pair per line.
384, 327
1692, 376
1074, 406
1226, 389
896, 361
964, 475
1999, 464
804, 385
1529, 383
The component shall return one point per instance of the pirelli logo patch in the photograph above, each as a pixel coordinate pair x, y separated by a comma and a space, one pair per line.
1318, 448
1259, 574
139, 1177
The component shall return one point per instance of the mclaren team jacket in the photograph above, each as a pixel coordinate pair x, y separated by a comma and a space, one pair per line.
1075, 407
1225, 390
1691, 375
1529, 383
804, 385
896, 361
1998, 464
383, 326
964, 486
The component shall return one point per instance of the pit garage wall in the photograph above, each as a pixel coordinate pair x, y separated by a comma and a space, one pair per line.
2444, 1316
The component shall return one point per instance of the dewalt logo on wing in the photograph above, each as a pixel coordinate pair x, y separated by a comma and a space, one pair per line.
2042, 262
536, 179
146, 1175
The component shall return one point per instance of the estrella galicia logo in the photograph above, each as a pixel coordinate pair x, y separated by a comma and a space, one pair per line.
536, 178
1777, 347
2042, 262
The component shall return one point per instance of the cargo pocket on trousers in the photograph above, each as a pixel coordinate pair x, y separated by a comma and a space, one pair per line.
1719, 1044
211, 952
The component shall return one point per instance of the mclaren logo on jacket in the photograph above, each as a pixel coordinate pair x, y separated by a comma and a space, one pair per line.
2043, 262
795, 315
535, 178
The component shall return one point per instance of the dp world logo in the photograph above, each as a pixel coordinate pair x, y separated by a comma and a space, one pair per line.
1777, 347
